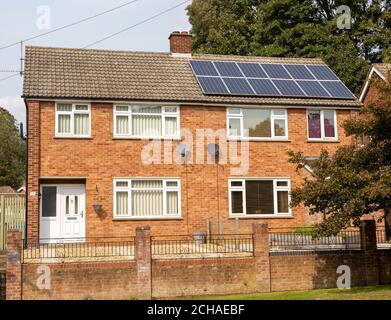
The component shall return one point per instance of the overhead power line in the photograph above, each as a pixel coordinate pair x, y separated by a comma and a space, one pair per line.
69, 25
137, 24
9, 77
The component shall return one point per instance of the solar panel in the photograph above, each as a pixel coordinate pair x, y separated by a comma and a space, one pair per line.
322, 72
252, 70
228, 69
213, 85
313, 89
264, 87
276, 71
337, 89
279, 80
299, 71
203, 68
288, 88
238, 86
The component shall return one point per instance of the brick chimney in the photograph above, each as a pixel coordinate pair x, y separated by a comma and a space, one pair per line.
181, 43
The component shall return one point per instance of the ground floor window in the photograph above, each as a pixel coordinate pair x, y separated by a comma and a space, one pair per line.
261, 197
146, 198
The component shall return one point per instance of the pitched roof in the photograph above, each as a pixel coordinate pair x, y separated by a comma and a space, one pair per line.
383, 69
6, 190
60, 73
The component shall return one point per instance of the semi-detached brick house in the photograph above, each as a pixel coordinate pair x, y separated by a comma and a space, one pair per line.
94, 114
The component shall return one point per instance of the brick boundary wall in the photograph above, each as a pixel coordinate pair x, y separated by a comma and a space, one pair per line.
145, 278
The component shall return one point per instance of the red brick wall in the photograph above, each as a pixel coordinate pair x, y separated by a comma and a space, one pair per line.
102, 158
99, 280
385, 266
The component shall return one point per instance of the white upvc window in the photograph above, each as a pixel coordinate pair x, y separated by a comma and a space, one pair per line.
147, 198
73, 120
322, 125
146, 122
259, 197
257, 124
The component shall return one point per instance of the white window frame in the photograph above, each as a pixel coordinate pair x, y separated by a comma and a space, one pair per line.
322, 132
273, 117
129, 190
243, 190
72, 113
164, 114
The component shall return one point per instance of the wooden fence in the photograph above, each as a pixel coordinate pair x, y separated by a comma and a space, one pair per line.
12, 215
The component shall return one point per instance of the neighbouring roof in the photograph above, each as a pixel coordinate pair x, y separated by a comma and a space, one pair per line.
6, 190
59, 73
381, 69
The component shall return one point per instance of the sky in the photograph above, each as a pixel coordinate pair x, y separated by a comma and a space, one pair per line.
21, 19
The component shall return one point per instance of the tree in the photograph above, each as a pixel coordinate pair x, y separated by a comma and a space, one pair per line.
12, 152
356, 180
296, 28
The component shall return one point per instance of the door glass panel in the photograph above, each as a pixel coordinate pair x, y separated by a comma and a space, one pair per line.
76, 205
67, 205
49, 201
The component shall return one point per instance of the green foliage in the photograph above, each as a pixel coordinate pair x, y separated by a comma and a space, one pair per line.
12, 152
356, 180
296, 28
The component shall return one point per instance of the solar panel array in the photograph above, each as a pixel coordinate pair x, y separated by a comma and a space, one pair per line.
274, 80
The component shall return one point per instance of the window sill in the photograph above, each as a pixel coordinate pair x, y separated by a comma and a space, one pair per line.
265, 216
147, 219
74, 138
146, 138
323, 141
259, 140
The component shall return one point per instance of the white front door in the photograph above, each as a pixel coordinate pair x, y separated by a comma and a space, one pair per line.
72, 212
62, 213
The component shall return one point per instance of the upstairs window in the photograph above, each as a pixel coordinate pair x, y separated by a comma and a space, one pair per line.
73, 120
146, 121
257, 123
259, 197
322, 125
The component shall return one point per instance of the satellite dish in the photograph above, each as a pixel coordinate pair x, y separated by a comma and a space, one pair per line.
213, 149
183, 150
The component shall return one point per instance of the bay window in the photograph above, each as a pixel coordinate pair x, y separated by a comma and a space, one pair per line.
257, 123
322, 125
73, 120
146, 121
259, 197
146, 198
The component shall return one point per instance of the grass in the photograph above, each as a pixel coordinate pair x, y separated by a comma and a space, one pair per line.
359, 293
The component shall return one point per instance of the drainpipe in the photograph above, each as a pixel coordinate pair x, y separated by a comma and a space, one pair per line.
27, 176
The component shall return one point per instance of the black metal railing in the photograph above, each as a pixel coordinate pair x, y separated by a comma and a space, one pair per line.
202, 245
305, 239
381, 236
79, 248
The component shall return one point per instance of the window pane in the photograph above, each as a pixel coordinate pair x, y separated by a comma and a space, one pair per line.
172, 202
122, 108
49, 201
172, 183
314, 124
122, 124
171, 126
140, 109
282, 183
122, 203
259, 197
329, 130
279, 128
257, 122
171, 109
64, 107
234, 127
147, 203
233, 111
64, 123
151, 184
82, 124
236, 183
81, 107
282, 201
237, 201
121, 184
277, 112
144, 125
